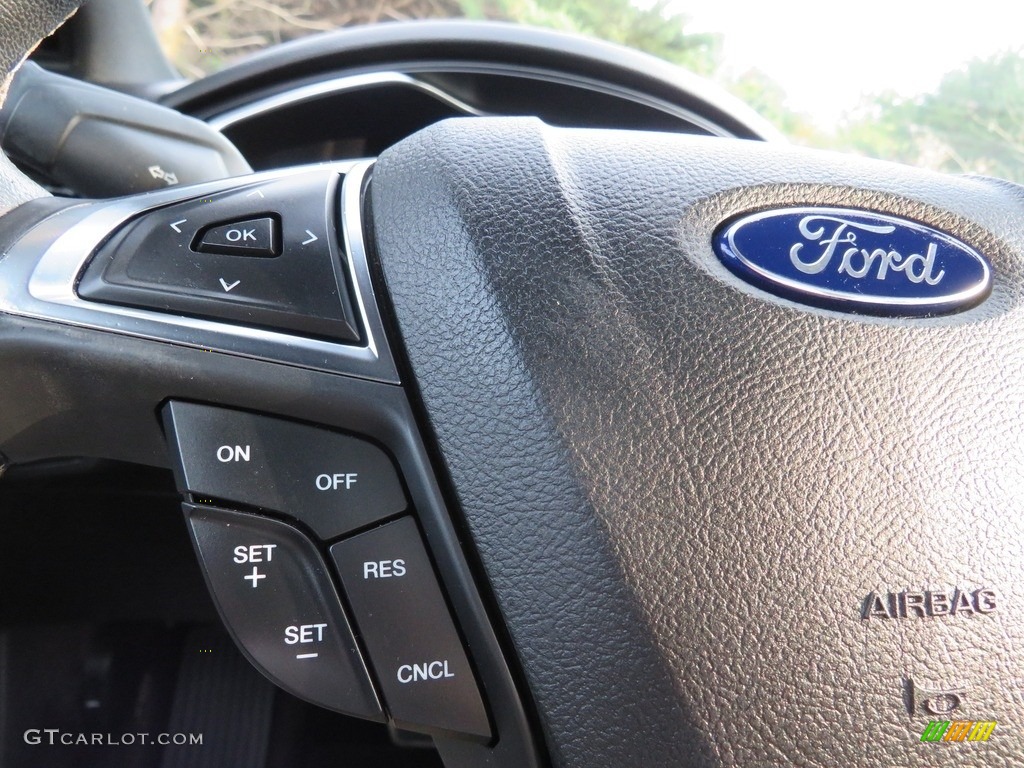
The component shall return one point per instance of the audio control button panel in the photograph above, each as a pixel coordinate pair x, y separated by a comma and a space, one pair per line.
266, 254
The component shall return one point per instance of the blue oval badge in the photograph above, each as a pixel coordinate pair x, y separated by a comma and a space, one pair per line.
855, 261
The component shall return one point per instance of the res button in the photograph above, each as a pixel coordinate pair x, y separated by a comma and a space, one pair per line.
333, 483
410, 637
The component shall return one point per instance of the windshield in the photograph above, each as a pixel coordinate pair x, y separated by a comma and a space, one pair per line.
937, 85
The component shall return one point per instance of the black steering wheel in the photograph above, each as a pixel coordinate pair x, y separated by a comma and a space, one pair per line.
716, 444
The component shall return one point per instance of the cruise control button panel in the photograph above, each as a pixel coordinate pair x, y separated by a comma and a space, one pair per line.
409, 634
275, 583
197, 258
277, 599
333, 483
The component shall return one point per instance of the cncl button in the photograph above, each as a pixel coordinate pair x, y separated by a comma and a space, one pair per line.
412, 642
434, 670
332, 482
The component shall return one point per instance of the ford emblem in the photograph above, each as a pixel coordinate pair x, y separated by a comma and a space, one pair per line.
854, 261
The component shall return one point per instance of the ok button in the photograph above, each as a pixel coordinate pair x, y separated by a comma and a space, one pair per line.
251, 237
243, 235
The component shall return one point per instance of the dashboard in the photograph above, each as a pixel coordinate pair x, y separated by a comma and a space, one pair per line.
353, 94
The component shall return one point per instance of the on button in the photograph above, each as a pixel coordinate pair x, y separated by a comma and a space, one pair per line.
333, 483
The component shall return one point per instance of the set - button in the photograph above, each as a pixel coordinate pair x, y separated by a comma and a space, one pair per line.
277, 598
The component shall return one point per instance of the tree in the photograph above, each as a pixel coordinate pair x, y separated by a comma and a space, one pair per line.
204, 35
654, 29
978, 114
766, 97
973, 122
885, 126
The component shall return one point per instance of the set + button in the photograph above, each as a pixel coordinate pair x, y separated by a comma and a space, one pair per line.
276, 596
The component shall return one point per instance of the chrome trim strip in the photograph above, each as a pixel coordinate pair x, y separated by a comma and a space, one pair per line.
43, 287
348, 83
334, 86
351, 205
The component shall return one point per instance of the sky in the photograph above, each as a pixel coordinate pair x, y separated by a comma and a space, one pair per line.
827, 56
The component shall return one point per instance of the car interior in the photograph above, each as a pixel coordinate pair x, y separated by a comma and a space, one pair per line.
468, 394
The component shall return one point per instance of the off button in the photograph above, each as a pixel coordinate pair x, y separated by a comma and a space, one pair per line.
332, 482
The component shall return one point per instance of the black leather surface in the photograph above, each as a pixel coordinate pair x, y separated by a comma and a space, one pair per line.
682, 489
23, 23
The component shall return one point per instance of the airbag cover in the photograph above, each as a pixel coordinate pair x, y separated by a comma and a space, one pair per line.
724, 528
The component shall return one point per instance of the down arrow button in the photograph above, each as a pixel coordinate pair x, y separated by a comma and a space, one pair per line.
251, 237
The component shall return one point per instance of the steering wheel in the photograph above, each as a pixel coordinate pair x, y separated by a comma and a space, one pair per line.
716, 444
